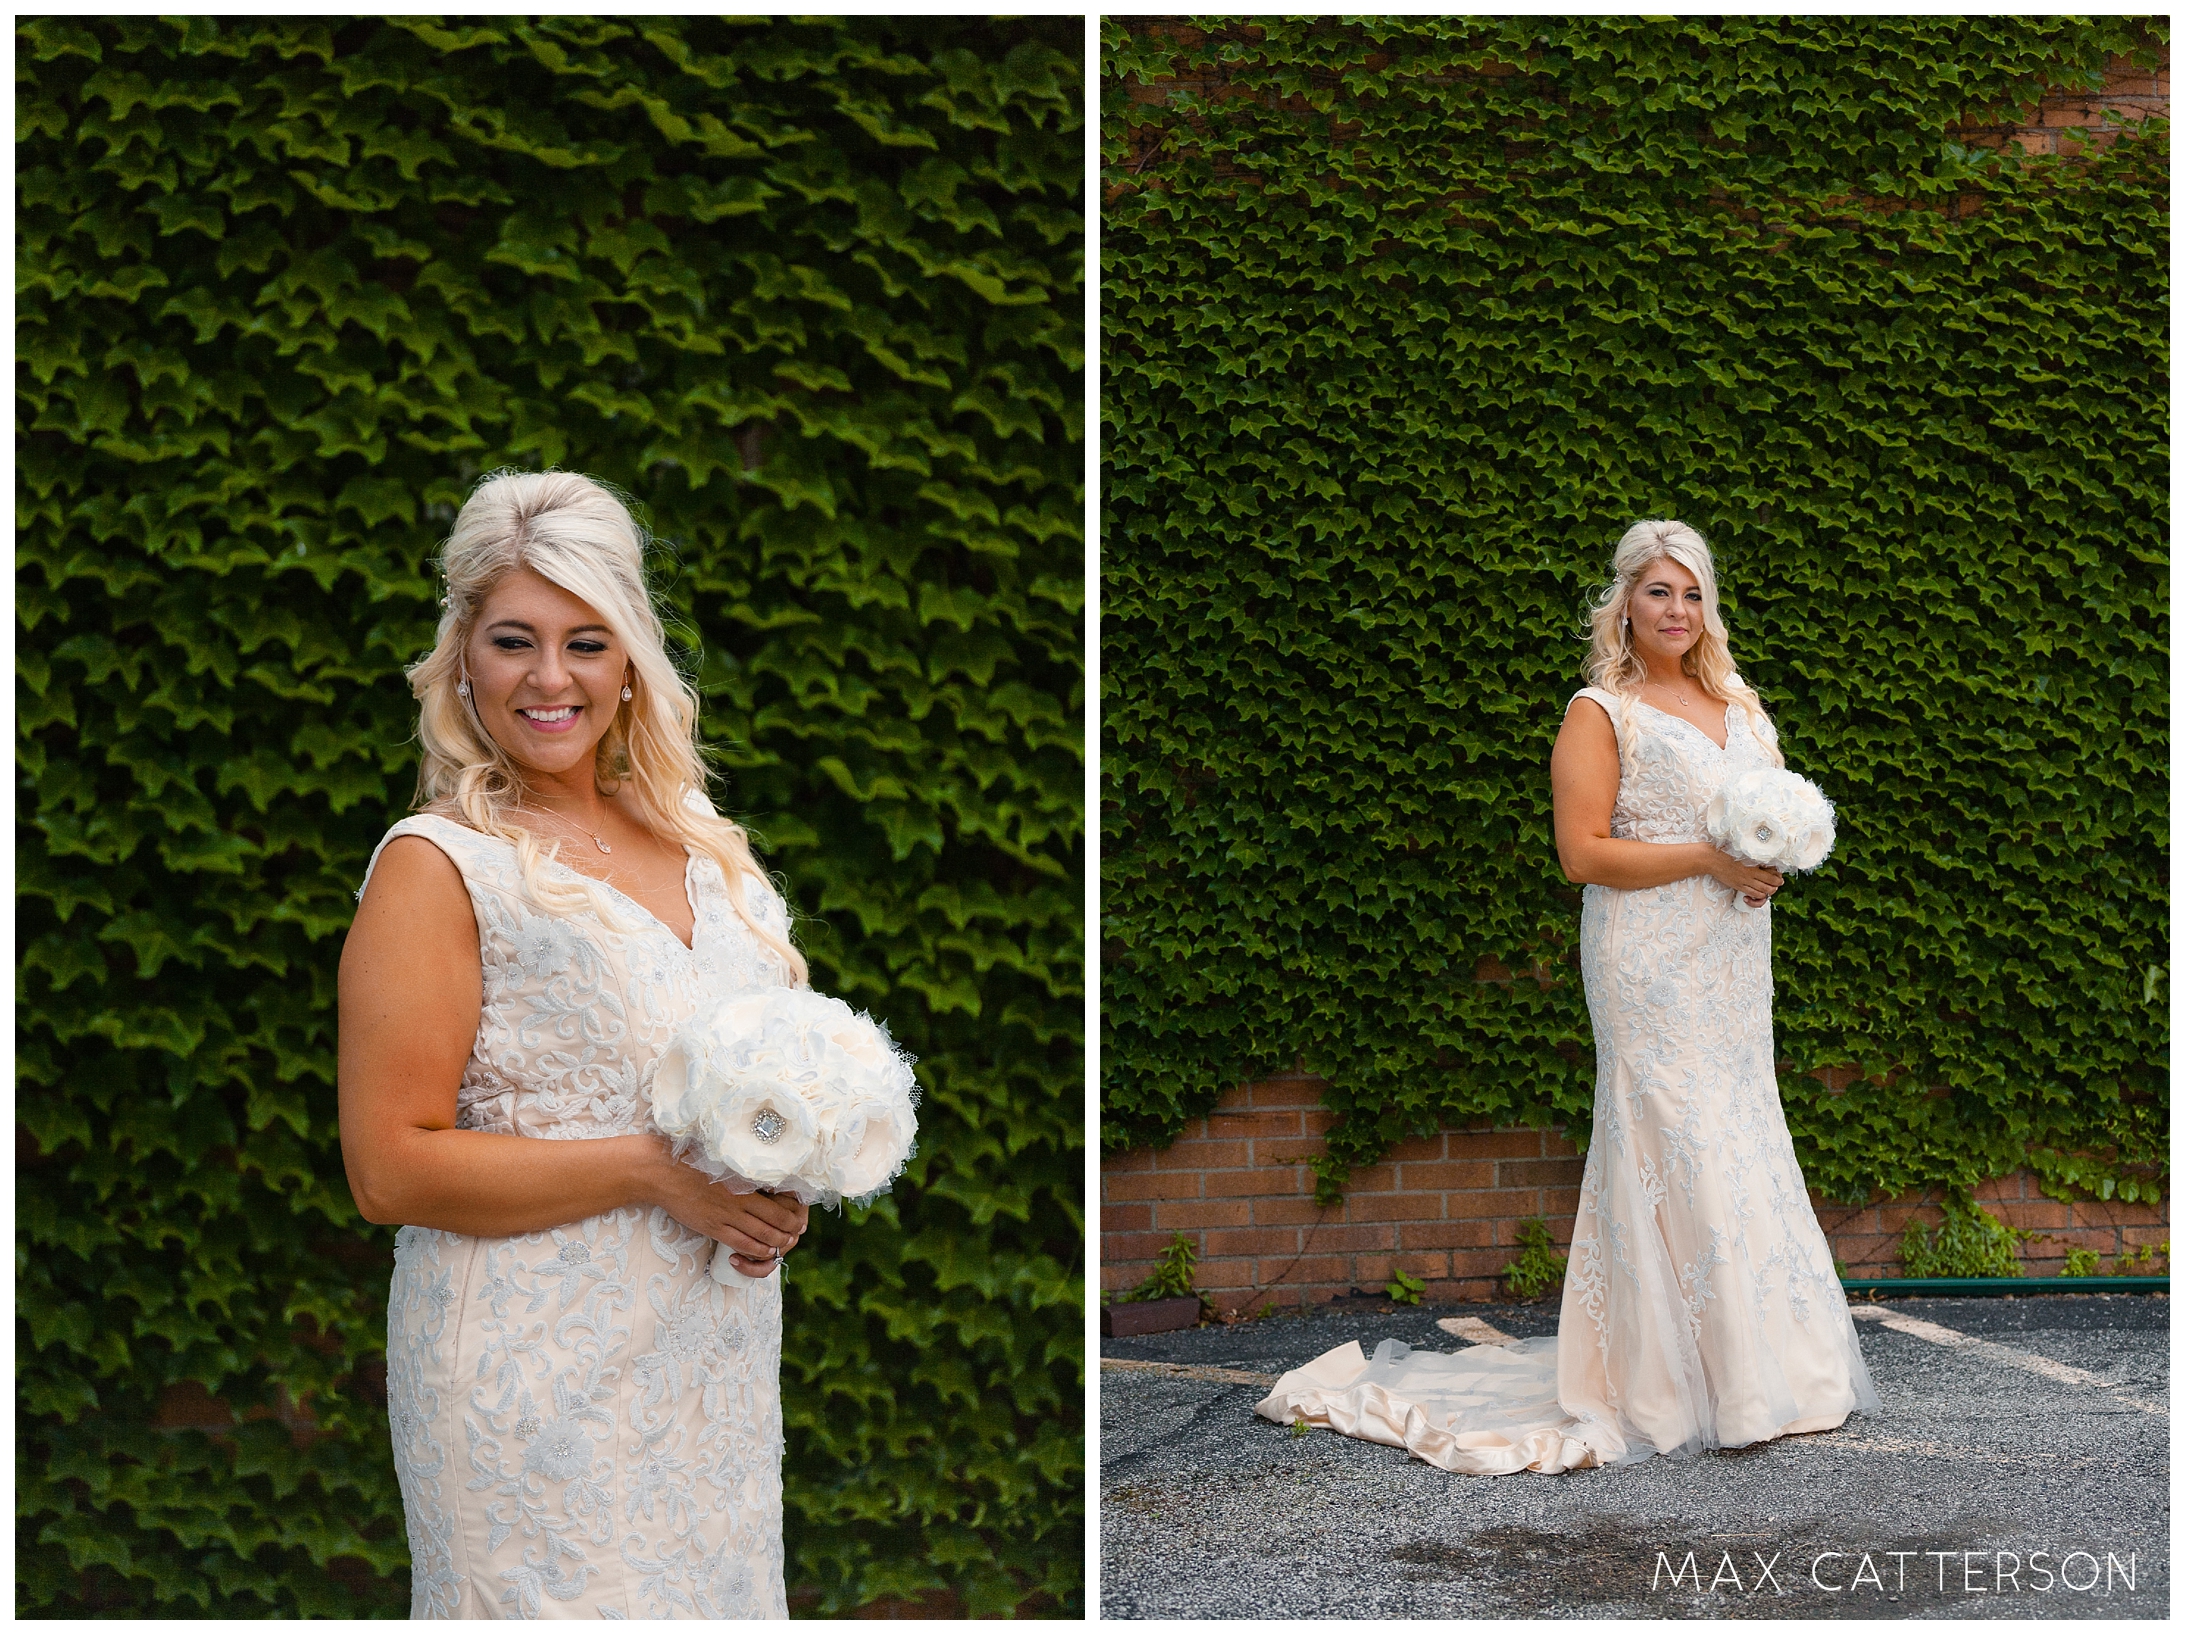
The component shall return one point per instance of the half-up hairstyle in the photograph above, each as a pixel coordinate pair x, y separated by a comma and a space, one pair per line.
575, 533
1614, 665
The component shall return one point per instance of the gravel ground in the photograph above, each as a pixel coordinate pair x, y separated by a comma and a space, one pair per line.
1208, 1511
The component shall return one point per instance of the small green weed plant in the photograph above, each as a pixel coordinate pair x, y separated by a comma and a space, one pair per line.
1539, 1266
1970, 1242
1172, 1276
2148, 1260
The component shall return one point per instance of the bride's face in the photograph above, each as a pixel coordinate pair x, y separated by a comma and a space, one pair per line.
546, 674
1665, 612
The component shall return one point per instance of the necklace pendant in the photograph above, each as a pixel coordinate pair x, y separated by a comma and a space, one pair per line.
603, 846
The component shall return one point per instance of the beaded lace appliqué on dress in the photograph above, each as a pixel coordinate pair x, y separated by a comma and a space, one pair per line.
585, 1424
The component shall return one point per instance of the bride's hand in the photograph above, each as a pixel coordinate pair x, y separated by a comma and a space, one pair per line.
796, 1214
756, 1227
1751, 882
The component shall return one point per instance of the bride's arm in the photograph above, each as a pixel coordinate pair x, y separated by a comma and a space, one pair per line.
1585, 773
409, 996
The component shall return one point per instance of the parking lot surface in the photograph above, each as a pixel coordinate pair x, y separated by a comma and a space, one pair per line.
2020, 1469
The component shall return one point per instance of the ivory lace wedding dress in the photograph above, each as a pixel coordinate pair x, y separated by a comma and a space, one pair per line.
585, 1424
1701, 1308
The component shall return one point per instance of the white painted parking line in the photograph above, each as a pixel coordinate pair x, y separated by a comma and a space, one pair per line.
2032, 1362
1481, 1332
1476, 1329
1185, 1371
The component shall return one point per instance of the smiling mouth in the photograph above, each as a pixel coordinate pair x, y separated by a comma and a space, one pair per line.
547, 718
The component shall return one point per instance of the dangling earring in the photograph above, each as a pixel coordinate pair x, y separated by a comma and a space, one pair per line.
462, 689
627, 695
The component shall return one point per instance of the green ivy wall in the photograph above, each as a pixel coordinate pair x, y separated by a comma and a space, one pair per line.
1405, 319
810, 291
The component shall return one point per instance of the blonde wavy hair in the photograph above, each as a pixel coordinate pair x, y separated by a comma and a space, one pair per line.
578, 534
1614, 665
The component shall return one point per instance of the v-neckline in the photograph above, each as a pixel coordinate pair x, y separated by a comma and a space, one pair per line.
690, 895
1722, 748
690, 901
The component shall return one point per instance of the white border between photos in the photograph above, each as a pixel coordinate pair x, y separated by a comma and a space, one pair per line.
1091, 446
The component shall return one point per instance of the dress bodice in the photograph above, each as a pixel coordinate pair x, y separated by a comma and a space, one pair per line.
575, 1012
1669, 770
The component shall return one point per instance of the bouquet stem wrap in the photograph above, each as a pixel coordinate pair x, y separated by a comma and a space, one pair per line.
783, 1090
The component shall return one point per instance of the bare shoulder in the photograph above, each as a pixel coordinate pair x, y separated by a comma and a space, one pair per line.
1587, 721
1586, 763
414, 887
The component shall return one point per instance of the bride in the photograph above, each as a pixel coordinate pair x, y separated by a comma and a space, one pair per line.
1701, 1308
585, 1423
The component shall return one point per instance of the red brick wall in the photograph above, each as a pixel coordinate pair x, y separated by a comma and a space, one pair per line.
1865, 1236
2127, 95
1446, 1208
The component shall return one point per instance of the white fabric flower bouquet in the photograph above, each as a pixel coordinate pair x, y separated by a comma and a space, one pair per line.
1772, 818
786, 1090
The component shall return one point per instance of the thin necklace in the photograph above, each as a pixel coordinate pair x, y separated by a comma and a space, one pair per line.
572, 822
1679, 697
